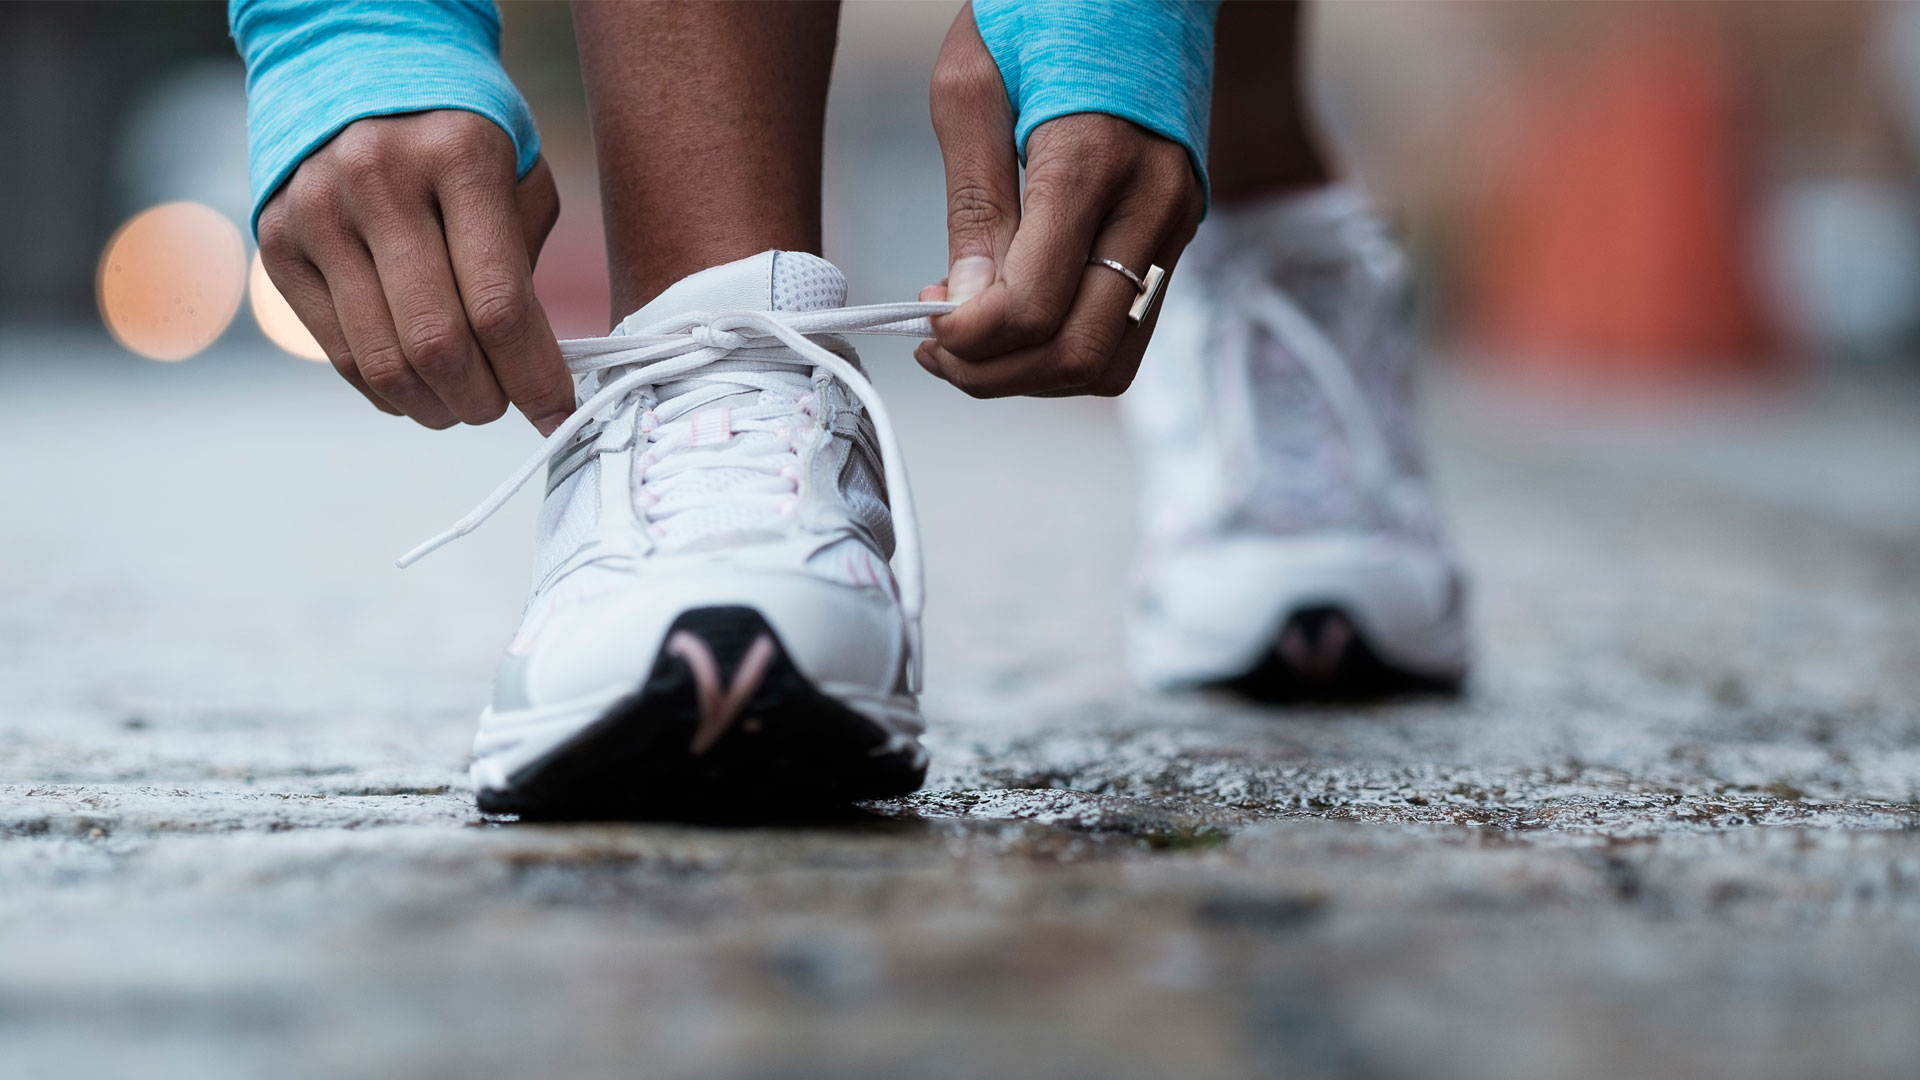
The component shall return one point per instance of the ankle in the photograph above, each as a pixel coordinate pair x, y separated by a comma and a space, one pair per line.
1245, 168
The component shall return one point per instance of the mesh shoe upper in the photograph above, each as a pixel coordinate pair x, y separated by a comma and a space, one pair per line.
1274, 423
754, 478
750, 453
1237, 430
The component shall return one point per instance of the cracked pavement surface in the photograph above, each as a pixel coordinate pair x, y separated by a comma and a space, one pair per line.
1672, 828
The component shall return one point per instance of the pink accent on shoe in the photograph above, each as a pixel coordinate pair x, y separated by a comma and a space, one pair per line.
718, 707
711, 427
1320, 659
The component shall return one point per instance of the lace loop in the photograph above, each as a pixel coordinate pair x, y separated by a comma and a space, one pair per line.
715, 338
685, 344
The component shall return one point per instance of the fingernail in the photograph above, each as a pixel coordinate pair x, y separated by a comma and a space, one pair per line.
546, 424
968, 278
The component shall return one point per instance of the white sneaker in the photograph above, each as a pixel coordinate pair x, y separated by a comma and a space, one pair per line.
1291, 546
713, 613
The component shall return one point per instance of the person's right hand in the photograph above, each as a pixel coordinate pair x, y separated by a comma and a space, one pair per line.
407, 247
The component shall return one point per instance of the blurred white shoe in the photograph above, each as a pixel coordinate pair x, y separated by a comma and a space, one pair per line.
1291, 546
714, 619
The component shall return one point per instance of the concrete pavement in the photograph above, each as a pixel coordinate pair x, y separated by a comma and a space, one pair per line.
1672, 829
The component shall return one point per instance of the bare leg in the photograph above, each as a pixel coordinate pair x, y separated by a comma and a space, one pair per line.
1261, 140
708, 120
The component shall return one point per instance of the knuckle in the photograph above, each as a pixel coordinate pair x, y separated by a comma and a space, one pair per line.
366, 161
466, 147
1077, 137
310, 196
1066, 187
957, 372
1081, 360
1174, 180
459, 151
387, 372
278, 248
959, 80
973, 208
949, 79
1187, 226
498, 313
1113, 384
1031, 320
968, 382
435, 348
1050, 177
487, 411
273, 216
547, 215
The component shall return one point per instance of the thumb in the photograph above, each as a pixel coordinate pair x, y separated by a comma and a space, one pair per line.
974, 122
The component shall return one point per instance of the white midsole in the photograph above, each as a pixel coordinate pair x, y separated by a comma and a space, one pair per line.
1229, 606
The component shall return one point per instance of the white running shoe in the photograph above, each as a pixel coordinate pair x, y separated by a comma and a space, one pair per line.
714, 618
1291, 545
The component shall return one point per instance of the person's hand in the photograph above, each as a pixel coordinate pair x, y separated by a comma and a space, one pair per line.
407, 247
1035, 318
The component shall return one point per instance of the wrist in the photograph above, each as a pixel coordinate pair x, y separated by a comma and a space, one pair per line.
1146, 62
313, 69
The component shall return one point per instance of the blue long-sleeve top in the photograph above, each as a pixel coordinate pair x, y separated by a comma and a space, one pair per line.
315, 66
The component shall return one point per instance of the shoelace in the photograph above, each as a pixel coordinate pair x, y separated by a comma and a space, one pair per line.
1269, 307
678, 348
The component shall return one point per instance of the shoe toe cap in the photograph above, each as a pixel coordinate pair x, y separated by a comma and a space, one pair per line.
606, 644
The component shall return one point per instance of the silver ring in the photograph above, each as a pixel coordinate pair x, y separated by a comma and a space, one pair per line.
1147, 287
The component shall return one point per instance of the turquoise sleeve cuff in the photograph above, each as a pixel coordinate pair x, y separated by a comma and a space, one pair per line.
1148, 61
315, 66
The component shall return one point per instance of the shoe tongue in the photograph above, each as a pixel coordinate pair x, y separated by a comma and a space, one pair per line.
769, 281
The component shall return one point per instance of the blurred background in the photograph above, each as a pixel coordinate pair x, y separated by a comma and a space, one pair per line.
1621, 194
1679, 238
1682, 236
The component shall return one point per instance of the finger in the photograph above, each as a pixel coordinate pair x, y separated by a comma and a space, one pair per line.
539, 203
974, 122
1096, 349
487, 238
1066, 204
410, 255
360, 305
1071, 361
305, 291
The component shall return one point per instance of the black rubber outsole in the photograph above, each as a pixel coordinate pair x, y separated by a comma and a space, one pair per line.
788, 749
1321, 654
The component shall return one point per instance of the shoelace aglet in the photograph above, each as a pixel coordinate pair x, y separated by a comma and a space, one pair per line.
426, 549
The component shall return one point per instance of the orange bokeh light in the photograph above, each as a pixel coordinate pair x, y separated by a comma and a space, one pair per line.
276, 318
171, 279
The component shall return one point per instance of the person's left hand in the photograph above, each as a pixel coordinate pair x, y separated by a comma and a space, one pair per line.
1035, 318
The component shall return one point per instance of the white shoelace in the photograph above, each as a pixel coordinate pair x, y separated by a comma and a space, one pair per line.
1264, 304
1327, 365
678, 349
